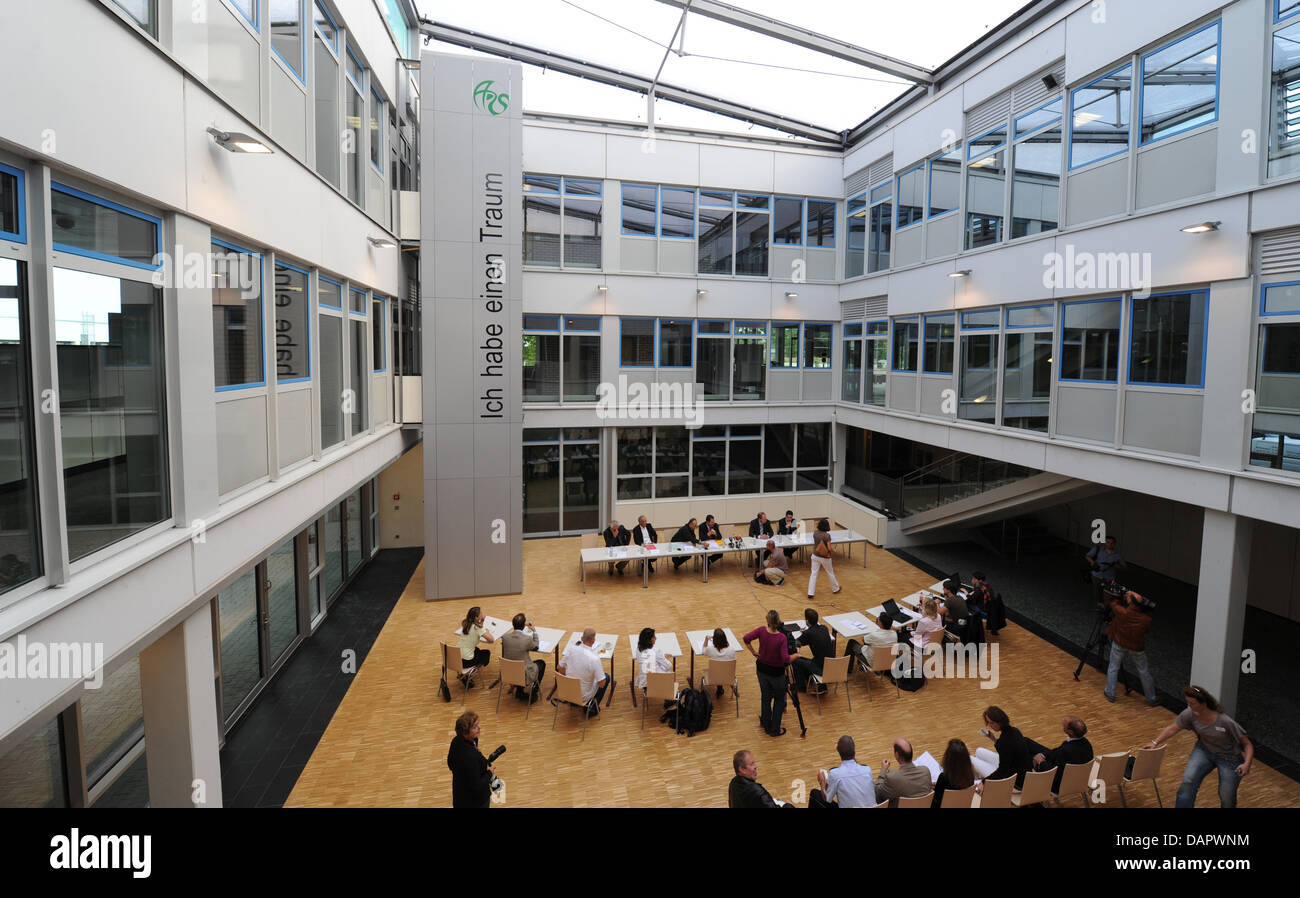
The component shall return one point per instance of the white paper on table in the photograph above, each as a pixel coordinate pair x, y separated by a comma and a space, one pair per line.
857, 625
544, 646
985, 761
929, 763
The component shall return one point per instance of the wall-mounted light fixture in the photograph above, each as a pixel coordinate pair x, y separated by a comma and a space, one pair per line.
789, 295
1203, 227
238, 142
602, 288
960, 273
382, 242
701, 292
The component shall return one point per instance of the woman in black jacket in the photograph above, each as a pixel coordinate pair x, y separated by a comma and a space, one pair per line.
957, 773
471, 777
1014, 756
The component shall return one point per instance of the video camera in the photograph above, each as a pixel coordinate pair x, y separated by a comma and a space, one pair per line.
1115, 592
497, 783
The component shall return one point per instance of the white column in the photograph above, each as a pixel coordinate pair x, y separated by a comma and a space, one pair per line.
180, 716
1221, 604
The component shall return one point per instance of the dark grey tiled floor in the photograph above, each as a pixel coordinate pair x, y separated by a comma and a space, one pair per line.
269, 747
1046, 594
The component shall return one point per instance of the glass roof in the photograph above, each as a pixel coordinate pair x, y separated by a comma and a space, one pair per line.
721, 60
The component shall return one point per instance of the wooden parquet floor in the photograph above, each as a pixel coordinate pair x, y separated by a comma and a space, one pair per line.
387, 744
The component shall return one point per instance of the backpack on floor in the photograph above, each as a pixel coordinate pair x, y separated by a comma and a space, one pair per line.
696, 712
913, 677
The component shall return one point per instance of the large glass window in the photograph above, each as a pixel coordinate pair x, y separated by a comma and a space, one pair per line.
1090, 340
112, 721
675, 343
1167, 339
749, 377
713, 358
20, 543
817, 345
855, 252
940, 334
821, 223
248, 9
1284, 103
88, 226
787, 221
377, 117
144, 13
744, 460
945, 183
672, 462
911, 196
286, 33
716, 234
581, 348
986, 180
561, 480
1099, 117
582, 224
541, 354
353, 152
812, 460
109, 335
358, 376
240, 658
236, 316
1036, 181
32, 771
785, 344
1180, 85
13, 225
378, 328
709, 461
881, 217
906, 350
1027, 380
282, 597
676, 212
977, 392
331, 378
851, 374
327, 105
1275, 437
639, 209
637, 343
292, 336
876, 362
1280, 299
562, 222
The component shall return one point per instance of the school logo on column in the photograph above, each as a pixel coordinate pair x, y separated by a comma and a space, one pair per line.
489, 100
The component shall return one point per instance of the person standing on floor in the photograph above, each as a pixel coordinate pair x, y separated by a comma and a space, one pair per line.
772, 657
471, 775
1220, 742
821, 558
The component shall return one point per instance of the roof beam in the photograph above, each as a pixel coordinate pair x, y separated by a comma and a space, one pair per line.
802, 37
473, 40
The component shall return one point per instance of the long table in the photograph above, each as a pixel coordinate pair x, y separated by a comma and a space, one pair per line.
666, 551
665, 642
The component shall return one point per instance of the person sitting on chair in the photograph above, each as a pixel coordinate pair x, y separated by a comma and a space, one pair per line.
908, 781
882, 634
718, 648
1011, 746
957, 773
1074, 750
516, 646
472, 630
582, 662
710, 530
955, 611
650, 659
787, 526
817, 638
760, 528
616, 536
643, 534
775, 569
978, 597
685, 534
850, 782
745, 790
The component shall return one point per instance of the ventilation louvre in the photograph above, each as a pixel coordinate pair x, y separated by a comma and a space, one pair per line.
1279, 252
988, 115
1031, 93
852, 310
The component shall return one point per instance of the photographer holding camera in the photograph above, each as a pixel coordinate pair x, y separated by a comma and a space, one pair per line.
472, 775
1127, 632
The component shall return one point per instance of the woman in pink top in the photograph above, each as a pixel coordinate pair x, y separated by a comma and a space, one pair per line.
930, 622
772, 656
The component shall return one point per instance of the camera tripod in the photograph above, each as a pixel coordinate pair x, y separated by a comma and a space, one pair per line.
1097, 639
794, 697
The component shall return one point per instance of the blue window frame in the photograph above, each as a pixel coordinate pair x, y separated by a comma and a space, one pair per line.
1184, 106
582, 323
636, 344
261, 316
338, 291
818, 345
358, 298
306, 320
1029, 122
882, 191
676, 343
1036, 317
16, 215
1144, 346
988, 142
980, 319
1285, 9
332, 36
751, 328
300, 68
581, 187
378, 119
247, 10
910, 206
1090, 335
641, 209
947, 198
92, 254
359, 81
1099, 117
542, 323
1281, 298
787, 220
819, 223
939, 345
711, 327
852, 330
677, 213
905, 342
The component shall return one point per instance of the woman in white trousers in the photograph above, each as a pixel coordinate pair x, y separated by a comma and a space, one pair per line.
822, 544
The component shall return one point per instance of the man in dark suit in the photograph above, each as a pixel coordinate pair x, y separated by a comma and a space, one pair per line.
788, 526
643, 533
760, 528
817, 638
616, 536
710, 530
687, 533
1076, 749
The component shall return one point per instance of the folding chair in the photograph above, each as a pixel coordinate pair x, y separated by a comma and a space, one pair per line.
997, 793
835, 671
453, 663
514, 674
921, 801
568, 690
883, 804
722, 673
882, 663
1074, 782
1108, 771
1145, 767
1038, 788
660, 687
958, 798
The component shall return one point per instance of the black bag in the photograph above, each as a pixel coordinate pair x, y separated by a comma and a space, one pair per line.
695, 714
446, 693
913, 675
997, 612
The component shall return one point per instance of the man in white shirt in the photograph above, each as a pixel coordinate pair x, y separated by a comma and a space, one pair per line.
644, 534
582, 662
850, 782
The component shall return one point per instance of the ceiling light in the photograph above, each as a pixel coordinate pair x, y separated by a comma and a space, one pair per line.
960, 273
1083, 118
790, 295
238, 142
382, 242
1202, 227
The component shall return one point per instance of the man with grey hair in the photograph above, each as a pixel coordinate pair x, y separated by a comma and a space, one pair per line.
1076, 749
644, 533
775, 569
616, 536
582, 662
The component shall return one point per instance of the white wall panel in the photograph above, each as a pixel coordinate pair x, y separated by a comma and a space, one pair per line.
660, 162
925, 132
1099, 34
563, 152
1032, 55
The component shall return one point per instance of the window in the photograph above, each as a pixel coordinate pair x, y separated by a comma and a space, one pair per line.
713, 358
876, 362
330, 294
986, 178
581, 349
675, 343
1167, 339
1090, 340
378, 327
377, 130
354, 167
397, 25
18, 509
744, 460
635, 463
236, 317
977, 394
749, 360
817, 345
326, 80
325, 25
980, 319
1027, 367
639, 209
561, 480
753, 222
785, 344
906, 344
109, 354
85, 225
1036, 180
541, 353
709, 461
945, 183
911, 196
357, 301
637, 343
1275, 434
812, 458
940, 334
247, 9
672, 462
41, 750
787, 221
286, 34
13, 219
1284, 9
1099, 118
821, 223
1280, 299
855, 213
1284, 105
881, 216
1030, 316
292, 335
143, 12
1180, 85
331, 376
851, 376
677, 213
562, 222
358, 375
734, 233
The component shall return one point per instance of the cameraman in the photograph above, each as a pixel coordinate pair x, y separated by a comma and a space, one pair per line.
1127, 632
471, 775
